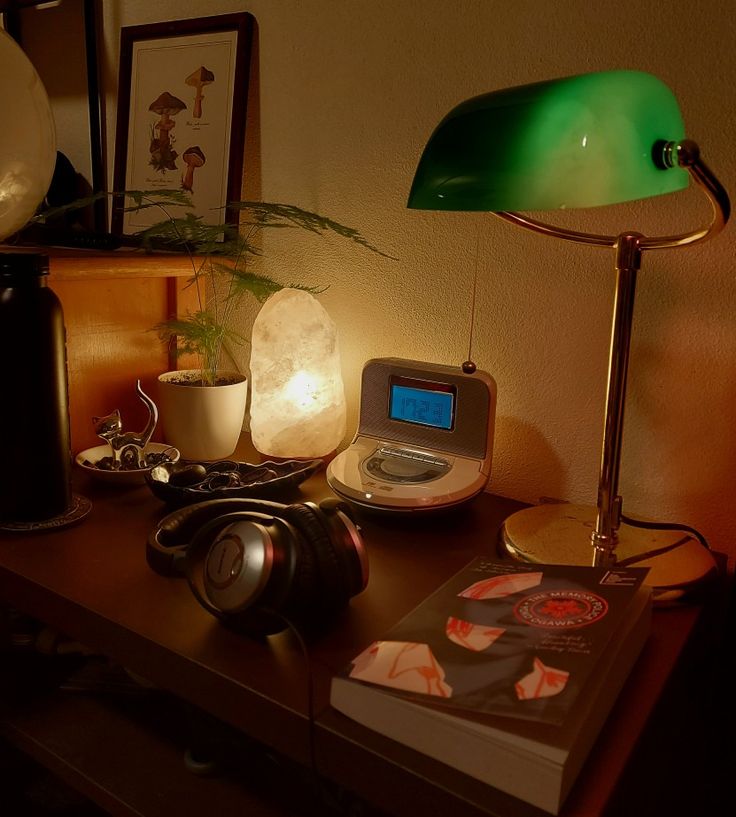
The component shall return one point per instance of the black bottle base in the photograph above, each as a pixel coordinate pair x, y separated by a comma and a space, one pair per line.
79, 508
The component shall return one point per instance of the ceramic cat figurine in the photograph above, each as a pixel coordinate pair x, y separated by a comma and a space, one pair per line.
128, 447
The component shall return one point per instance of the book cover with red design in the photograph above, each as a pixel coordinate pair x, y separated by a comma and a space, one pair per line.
523, 657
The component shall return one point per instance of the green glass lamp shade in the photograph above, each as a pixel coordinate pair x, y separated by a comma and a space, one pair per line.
580, 141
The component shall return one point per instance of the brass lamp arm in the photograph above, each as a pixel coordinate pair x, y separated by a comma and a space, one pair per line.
556, 232
687, 154
684, 154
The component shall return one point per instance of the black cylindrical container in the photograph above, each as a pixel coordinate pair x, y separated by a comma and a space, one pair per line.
35, 450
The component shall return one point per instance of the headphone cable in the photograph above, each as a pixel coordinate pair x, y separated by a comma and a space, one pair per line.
318, 783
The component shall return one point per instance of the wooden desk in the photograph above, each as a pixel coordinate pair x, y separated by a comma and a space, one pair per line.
92, 583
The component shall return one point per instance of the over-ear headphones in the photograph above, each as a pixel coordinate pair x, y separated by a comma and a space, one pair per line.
259, 565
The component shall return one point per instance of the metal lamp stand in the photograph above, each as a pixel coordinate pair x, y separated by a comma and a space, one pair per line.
573, 534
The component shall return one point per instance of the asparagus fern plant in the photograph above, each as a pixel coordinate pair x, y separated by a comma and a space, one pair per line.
222, 257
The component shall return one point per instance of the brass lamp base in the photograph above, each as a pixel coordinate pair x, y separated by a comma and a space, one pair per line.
559, 533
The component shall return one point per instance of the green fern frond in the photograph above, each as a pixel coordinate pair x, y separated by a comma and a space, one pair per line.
187, 232
201, 334
144, 199
53, 212
260, 286
195, 333
268, 215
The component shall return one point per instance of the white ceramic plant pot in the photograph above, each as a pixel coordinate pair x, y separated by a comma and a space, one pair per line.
203, 422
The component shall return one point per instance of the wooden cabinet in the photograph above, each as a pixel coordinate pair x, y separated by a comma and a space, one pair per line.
130, 756
111, 303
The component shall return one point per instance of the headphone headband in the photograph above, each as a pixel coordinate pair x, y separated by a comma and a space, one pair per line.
168, 542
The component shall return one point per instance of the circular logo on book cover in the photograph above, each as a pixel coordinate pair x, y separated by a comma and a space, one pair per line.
561, 609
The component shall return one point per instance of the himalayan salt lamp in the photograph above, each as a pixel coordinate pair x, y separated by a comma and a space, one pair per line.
297, 405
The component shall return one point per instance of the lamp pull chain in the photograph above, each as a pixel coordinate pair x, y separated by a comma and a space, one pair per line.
469, 366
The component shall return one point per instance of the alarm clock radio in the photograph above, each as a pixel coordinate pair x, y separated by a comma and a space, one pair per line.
424, 439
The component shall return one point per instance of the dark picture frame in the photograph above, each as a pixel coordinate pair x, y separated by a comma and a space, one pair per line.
182, 136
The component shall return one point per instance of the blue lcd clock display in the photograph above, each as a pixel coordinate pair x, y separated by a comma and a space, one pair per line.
426, 404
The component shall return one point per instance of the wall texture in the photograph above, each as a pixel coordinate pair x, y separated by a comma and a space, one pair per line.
348, 93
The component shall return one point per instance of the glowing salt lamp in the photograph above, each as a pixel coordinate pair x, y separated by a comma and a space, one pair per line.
297, 396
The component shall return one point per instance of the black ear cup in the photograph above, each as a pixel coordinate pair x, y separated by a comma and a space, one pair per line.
323, 583
347, 543
258, 565
301, 601
340, 568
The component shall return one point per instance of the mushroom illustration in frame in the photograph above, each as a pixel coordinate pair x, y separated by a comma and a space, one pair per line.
162, 153
192, 157
198, 79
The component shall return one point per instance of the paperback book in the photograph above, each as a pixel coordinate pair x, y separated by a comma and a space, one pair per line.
507, 672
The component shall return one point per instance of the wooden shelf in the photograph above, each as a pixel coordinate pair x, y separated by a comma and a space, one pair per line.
89, 265
127, 755
123, 263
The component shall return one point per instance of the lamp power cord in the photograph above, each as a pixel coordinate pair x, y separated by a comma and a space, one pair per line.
673, 526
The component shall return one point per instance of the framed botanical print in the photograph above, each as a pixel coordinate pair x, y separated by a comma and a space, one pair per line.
182, 97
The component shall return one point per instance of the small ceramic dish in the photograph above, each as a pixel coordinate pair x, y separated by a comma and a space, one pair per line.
186, 482
87, 460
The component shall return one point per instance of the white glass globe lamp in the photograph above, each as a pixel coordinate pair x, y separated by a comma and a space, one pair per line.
27, 138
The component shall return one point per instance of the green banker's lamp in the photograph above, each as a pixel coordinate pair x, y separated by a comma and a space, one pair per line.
581, 141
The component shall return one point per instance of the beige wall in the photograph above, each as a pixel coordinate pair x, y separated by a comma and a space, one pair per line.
349, 92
